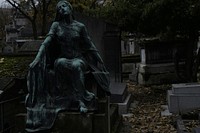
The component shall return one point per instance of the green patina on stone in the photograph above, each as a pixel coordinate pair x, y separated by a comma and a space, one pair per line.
56, 76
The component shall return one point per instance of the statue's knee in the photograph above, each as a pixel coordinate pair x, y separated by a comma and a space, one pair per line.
77, 65
59, 62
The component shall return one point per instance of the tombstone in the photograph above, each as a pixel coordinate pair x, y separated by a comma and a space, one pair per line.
157, 61
30, 47
183, 97
8, 50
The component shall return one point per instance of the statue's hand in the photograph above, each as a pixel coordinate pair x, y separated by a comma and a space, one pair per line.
34, 63
38, 57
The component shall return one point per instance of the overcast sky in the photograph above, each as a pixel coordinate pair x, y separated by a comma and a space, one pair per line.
2, 2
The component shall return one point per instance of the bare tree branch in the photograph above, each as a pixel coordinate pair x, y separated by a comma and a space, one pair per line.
16, 6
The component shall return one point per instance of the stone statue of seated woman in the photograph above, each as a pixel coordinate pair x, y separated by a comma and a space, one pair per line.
56, 76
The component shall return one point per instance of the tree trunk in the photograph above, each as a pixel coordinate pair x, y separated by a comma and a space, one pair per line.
34, 27
191, 61
44, 22
44, 18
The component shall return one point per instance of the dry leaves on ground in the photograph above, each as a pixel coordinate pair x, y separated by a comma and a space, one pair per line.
146, 116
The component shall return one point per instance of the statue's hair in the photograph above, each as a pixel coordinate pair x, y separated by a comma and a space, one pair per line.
58, 16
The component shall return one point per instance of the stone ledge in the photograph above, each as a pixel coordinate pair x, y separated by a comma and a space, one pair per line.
186, 88
123, 107
156, 68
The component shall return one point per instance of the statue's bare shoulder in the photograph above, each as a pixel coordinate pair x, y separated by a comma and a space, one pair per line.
54, 24
79, 24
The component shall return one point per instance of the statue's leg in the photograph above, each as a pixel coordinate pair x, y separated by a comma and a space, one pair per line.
70, 79
79, 84
62, 68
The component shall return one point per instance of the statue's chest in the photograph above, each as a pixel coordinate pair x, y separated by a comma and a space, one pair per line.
68, 33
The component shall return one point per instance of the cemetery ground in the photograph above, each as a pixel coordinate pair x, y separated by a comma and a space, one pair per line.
148, 114
145, 110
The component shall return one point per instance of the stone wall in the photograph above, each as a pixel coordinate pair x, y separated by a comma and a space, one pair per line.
107, 40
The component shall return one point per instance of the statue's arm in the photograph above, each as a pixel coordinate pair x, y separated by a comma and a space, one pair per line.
44, 45
89, 45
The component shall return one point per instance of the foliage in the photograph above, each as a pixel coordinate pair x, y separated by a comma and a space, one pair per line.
166, 19
154, 17
14, 66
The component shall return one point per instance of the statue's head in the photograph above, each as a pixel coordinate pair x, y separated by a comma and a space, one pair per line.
63, 8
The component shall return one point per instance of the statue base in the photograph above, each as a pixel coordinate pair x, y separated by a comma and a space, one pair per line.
73, 122
92, 122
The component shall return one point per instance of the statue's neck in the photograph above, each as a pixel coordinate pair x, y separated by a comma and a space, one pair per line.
67, 19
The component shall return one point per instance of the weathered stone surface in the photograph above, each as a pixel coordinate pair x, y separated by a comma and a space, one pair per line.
182, 102
156, 73
120, 96
186, 88
123, 107
118, 91
196, 130
156, 68
73, 122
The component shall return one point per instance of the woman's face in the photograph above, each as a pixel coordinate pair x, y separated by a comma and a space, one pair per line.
64, 9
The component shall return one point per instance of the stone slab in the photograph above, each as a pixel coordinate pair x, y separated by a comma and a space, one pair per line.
196, 130
186, 88
180, 103
123, 107
156, 68
118, 92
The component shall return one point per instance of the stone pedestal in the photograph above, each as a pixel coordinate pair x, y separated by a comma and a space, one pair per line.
105, 120
94, 122
72, 122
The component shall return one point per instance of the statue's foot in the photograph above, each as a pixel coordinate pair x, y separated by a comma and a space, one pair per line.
82, 107
83, 110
